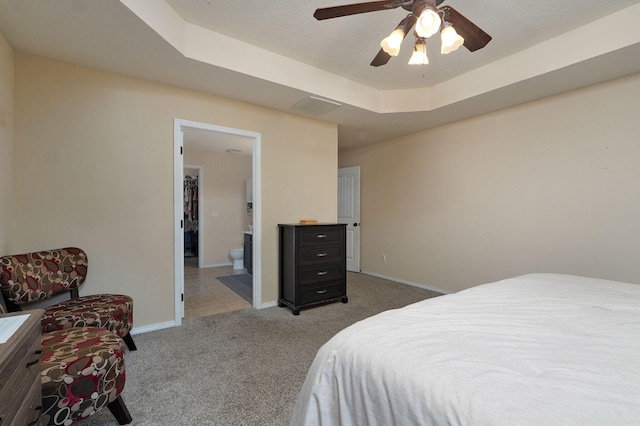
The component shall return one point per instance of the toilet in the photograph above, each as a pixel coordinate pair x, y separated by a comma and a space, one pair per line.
236, 255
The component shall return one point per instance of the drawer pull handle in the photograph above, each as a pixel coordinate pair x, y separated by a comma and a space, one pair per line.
322, 235
37, 420
322, 254
35, 361
321, 273
321, 291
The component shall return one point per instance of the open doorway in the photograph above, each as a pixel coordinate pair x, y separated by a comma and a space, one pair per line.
183, 130
192, 212
216, 169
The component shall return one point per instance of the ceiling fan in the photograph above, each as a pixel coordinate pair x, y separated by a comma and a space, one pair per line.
428, 19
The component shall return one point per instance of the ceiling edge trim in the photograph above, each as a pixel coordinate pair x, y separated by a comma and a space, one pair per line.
219, 50
162, 18
544, 58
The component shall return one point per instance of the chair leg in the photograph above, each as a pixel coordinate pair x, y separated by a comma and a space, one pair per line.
10, 306
120, 411
129, 341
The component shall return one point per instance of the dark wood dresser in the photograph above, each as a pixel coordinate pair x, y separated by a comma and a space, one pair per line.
313, 265
20, 387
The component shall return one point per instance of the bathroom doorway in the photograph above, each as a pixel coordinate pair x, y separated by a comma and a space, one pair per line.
203, 263
216, 185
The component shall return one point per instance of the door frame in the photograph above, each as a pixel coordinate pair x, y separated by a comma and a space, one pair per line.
178, 189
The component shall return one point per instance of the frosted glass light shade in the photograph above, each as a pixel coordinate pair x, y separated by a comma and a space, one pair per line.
391, 44
451, 40
428, 23
419, 56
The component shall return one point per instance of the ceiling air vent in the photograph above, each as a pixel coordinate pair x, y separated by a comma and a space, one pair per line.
316, 105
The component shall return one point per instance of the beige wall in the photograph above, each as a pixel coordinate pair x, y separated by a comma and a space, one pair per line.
6, 145
94, 168
549, 186
221, 189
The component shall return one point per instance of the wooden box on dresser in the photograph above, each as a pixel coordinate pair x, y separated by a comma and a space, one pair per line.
20, 387
313, 266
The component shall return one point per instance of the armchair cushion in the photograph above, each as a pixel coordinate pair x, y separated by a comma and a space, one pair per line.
82, 371
111, 311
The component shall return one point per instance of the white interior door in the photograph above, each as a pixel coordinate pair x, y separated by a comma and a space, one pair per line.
349, 212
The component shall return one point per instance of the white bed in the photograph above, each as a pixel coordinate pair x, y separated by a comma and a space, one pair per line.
539, 349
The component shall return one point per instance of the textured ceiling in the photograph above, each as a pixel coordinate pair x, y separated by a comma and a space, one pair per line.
346, 45
276, 54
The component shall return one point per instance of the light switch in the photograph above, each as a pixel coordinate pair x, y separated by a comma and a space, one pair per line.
214, 213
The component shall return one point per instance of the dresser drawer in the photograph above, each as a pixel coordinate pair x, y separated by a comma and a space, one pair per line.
31, 410
320, 235
20, 387
325, 254
17, 353
19, 381
322, 293
319, 274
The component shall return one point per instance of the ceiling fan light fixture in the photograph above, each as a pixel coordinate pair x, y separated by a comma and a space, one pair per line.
391, 44
450, 38
419, 56
428, 23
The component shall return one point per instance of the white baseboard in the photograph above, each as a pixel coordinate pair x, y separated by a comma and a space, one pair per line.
269, 304
217, 265
274, 303
411, 283
153, 327
169, 324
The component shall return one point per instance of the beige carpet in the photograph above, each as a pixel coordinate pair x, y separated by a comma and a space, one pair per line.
243, 367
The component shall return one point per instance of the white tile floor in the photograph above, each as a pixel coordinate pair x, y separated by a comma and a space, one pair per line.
204, 294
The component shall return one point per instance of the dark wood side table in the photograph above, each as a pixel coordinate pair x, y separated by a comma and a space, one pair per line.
20, 387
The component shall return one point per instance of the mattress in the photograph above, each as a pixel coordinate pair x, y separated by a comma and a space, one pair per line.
538, 349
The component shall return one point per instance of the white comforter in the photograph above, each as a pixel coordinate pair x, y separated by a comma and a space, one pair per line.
539, 349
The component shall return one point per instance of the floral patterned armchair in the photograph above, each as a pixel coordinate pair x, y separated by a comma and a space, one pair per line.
81, 371
30, 277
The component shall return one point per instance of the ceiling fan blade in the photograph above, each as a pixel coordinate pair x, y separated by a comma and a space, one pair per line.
353, 9
406, 24
474, 37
